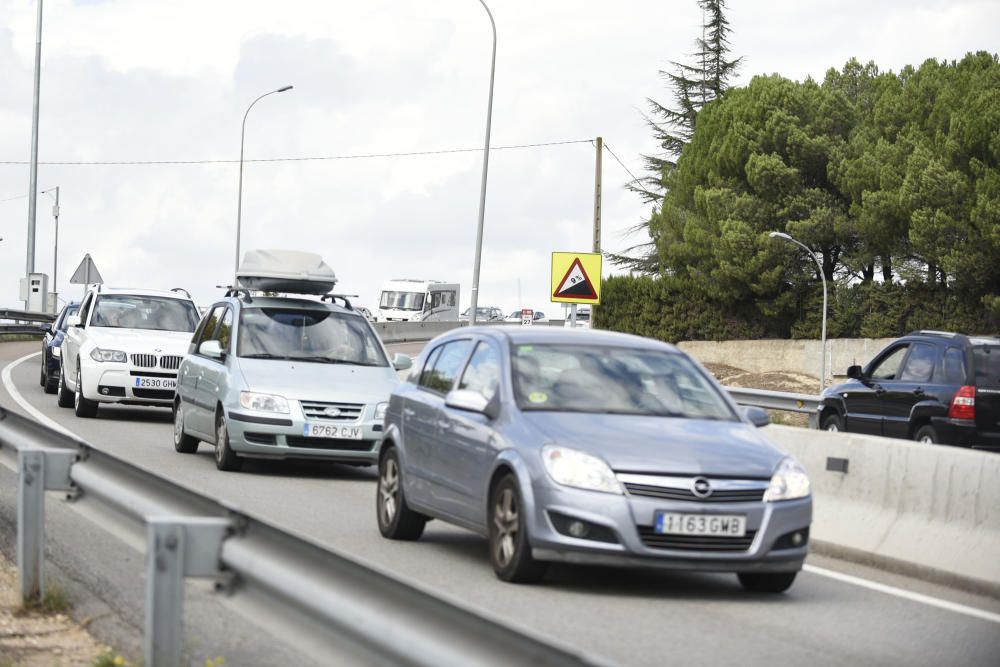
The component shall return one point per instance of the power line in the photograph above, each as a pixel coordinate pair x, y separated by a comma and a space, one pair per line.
635, 179
361, 156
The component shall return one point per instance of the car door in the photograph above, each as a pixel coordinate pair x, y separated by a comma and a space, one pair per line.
74, 339
910, 386
417, 418
464, 450
212, 378
863, 401
196, 415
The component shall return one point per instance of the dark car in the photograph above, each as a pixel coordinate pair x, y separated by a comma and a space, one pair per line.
929, 386
51, 348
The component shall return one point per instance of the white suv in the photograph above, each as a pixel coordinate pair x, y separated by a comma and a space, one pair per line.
125, 346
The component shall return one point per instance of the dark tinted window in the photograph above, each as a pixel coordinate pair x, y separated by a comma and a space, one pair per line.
448, 364
67, 312
954, 366
85, 309
987, 363
224, 331
208, 333
483, 372
920, 364
425, 375
889, 365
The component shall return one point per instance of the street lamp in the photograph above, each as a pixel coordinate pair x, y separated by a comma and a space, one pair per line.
55, 254
239, 203
486, 165
788, 239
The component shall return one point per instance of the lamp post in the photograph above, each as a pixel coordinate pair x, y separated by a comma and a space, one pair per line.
788, 239
239, 202
486, 166
55, 253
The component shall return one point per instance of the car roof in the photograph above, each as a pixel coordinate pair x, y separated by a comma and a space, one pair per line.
962, 339
540, 335
139, 291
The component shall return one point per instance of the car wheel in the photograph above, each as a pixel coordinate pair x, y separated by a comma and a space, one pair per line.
44, 380
926, 435
82, 406
51, 384
833, 423
225, 458
510, 551
183, 442
65, 396
396, 520
767, 582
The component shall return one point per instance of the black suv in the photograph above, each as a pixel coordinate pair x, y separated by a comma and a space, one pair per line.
930, 386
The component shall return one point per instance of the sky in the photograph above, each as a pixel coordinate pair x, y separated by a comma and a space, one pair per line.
147, 80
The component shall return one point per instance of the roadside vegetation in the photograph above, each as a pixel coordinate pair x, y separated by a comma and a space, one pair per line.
891, 178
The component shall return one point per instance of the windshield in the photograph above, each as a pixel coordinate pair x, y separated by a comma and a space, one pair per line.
122, 311
601, 379
319, 336
481, 313
402, 300
987, 364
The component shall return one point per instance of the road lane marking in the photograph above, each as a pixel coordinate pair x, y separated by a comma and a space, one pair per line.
905, 594
8, 383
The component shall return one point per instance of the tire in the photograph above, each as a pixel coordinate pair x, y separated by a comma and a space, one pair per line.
510, 549
833, 423
82, 406
926, 435
396, 521
766, 582
50, 384
65, 396
183, 442
225, 458
44, 380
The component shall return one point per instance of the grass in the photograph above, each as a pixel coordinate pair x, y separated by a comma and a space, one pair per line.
55, 601
19, 338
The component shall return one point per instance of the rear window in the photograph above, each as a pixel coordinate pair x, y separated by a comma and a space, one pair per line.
987, 365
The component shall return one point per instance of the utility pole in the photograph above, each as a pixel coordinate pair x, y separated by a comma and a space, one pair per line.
598, 171
55, 256
33, 184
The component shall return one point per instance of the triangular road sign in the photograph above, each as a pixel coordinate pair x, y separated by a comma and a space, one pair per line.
86, 273
575, 284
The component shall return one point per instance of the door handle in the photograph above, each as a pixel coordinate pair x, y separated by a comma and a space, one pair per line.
407, 412
879, 390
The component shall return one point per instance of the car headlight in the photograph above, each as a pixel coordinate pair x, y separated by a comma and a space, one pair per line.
571, 467
55, 351
263, 402
380, 411
97, 354
789, 482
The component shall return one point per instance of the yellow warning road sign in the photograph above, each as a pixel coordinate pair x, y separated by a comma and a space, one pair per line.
576, 277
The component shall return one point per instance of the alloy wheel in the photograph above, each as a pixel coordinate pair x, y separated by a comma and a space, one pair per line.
178, 425
388, 489
221, 436
79, 390
507, 523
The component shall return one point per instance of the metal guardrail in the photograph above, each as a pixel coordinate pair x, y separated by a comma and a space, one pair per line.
779, 400
21, 318
189, 534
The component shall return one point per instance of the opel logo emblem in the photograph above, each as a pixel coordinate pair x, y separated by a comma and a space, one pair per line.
332, 412
700, 487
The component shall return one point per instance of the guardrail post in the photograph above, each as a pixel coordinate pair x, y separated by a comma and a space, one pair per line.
176, 547
30, 524
39, 470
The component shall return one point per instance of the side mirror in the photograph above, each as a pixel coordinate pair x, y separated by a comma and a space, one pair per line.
73, 321
401, 362
472, 401
757, 416
854, 372
211, 349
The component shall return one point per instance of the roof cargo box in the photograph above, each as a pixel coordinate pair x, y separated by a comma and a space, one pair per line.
289, 271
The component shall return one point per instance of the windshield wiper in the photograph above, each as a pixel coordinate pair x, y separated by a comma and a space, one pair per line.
262, 355
330, 360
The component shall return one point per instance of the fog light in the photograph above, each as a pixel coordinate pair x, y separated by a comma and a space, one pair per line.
797, 539
577, 529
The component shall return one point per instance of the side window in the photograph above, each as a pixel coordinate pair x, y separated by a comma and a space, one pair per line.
920, 364
887, 367
429, 366
954, 366
447, 366
224, 330
85, 309
211, 324
483, 372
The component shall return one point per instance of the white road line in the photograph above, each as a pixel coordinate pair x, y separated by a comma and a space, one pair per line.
35, 413
906, 595
823, 572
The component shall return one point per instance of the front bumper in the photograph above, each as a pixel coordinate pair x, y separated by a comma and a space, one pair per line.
964, 433
282, 436
111, 382
630, 520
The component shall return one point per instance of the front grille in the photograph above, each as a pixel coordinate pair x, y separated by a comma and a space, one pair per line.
260, 438
170, 361
329, 443
154, 394
655, 540
144, 360
718, 495
316, 411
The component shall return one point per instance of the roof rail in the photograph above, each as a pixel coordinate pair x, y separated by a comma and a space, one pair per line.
240, 293
342, 297
930, 332
181, 289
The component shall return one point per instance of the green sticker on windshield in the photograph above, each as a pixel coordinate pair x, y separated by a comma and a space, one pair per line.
526, 348
538, 397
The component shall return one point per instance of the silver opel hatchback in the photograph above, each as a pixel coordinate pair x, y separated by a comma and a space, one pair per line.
589, 447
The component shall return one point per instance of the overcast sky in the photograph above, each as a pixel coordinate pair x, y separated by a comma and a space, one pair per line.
156, 80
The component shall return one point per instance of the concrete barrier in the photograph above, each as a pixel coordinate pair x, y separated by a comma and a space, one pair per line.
930, 511
407, 332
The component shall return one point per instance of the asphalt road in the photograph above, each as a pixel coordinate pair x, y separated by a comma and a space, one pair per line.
632, 617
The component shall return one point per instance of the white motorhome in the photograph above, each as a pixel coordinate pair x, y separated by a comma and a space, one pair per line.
408, 300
